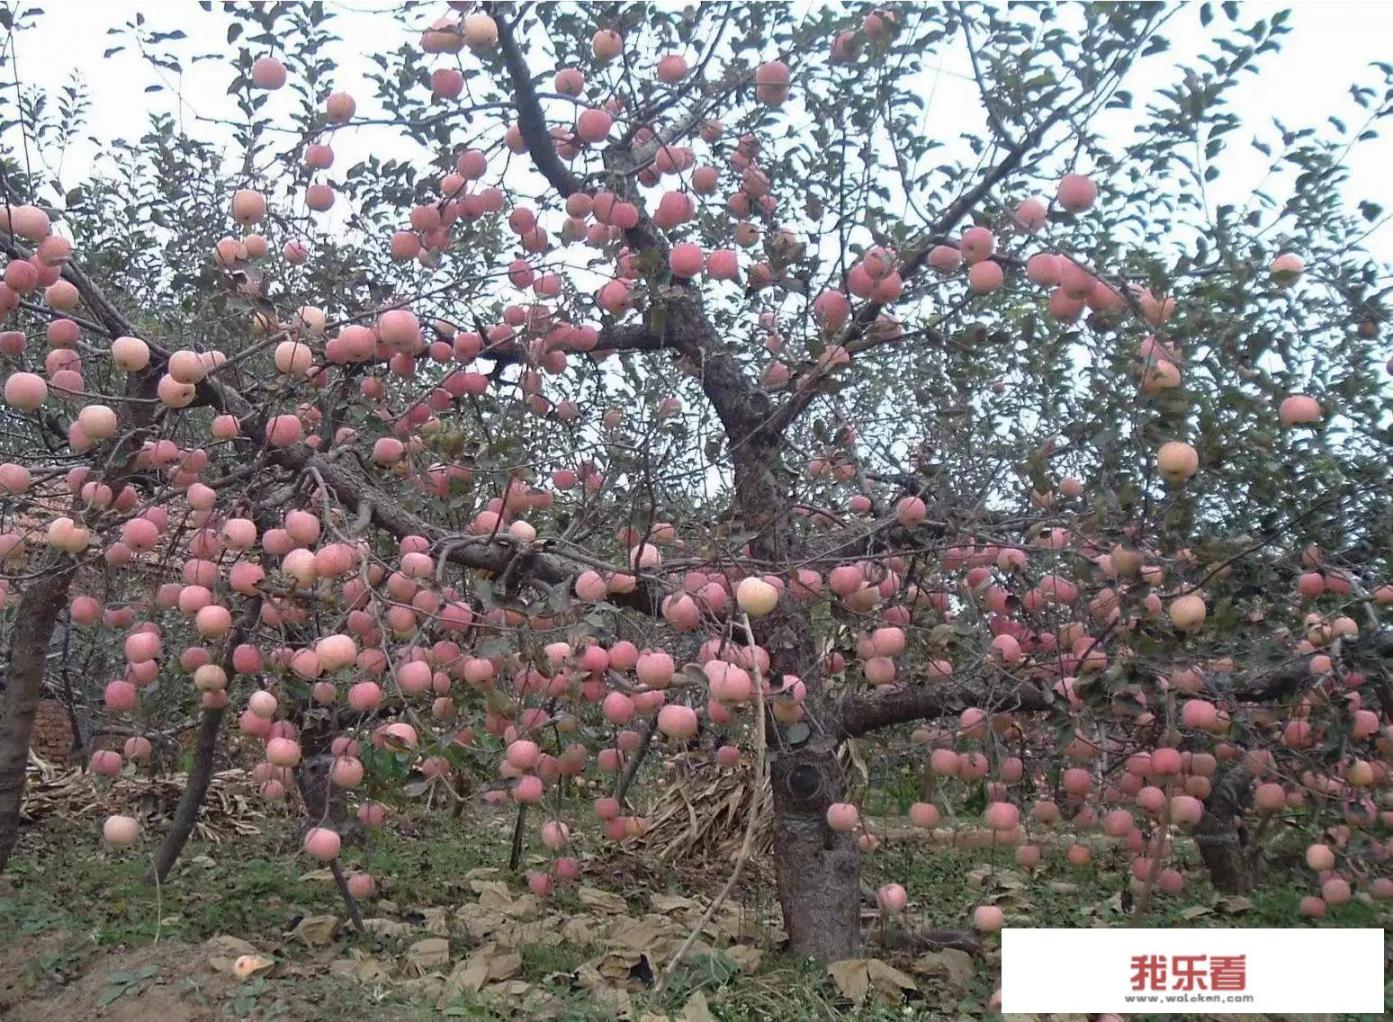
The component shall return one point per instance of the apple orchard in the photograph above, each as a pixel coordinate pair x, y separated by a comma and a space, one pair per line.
603, 392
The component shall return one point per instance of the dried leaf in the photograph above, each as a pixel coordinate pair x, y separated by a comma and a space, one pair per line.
318, 874
951, 965
645, 934
492, 894
889, 983
851, 978
427, 954
316, 929
468, 977
488, 964
1194, 912
618, 964
1233, 904
696, 1010
363, 968
381, 927
671, 903
745, 958
605, 901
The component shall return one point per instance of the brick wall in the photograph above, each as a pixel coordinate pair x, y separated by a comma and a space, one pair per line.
53, 734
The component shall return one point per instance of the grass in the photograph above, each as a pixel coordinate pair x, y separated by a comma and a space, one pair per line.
74, 902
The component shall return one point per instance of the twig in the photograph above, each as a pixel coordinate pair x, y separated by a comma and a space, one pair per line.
519, 828
355, 914
751, 825
631, 771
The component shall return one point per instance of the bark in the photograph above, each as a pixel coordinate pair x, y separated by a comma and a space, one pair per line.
195, 787
519, 839
201, 769
35, 619
1221, 837
817, 869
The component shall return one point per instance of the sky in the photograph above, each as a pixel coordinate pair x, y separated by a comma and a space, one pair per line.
1306, 82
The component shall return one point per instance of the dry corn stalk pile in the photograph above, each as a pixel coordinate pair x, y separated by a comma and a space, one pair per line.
701, 812
75, 796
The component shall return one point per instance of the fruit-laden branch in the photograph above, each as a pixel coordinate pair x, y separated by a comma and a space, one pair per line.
352, 487
858, 336
497, 555
675, 318
863, 712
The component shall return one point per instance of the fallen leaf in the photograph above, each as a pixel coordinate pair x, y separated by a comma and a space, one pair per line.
382, 927
585, 930
696, 1009
605, 901
223, 951
316, 929
427, 954
744, 957
670, 903
492, 893
995, 877
363, 968
435, 920
468, 977
618, 964
951, 965
646, 933
857, 977
318, 874
1233, 904
1194, 912
488, 964
889, 982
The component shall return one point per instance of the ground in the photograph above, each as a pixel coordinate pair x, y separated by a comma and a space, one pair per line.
457, 935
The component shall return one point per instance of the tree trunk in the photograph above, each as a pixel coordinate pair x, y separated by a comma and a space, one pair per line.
818, 870
201, 770
35, 618
1221, 838
195, 787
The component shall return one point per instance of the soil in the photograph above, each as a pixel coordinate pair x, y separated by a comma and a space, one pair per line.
175, 982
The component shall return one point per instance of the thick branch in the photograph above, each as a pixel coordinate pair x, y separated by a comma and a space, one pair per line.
863, 712
531, 121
